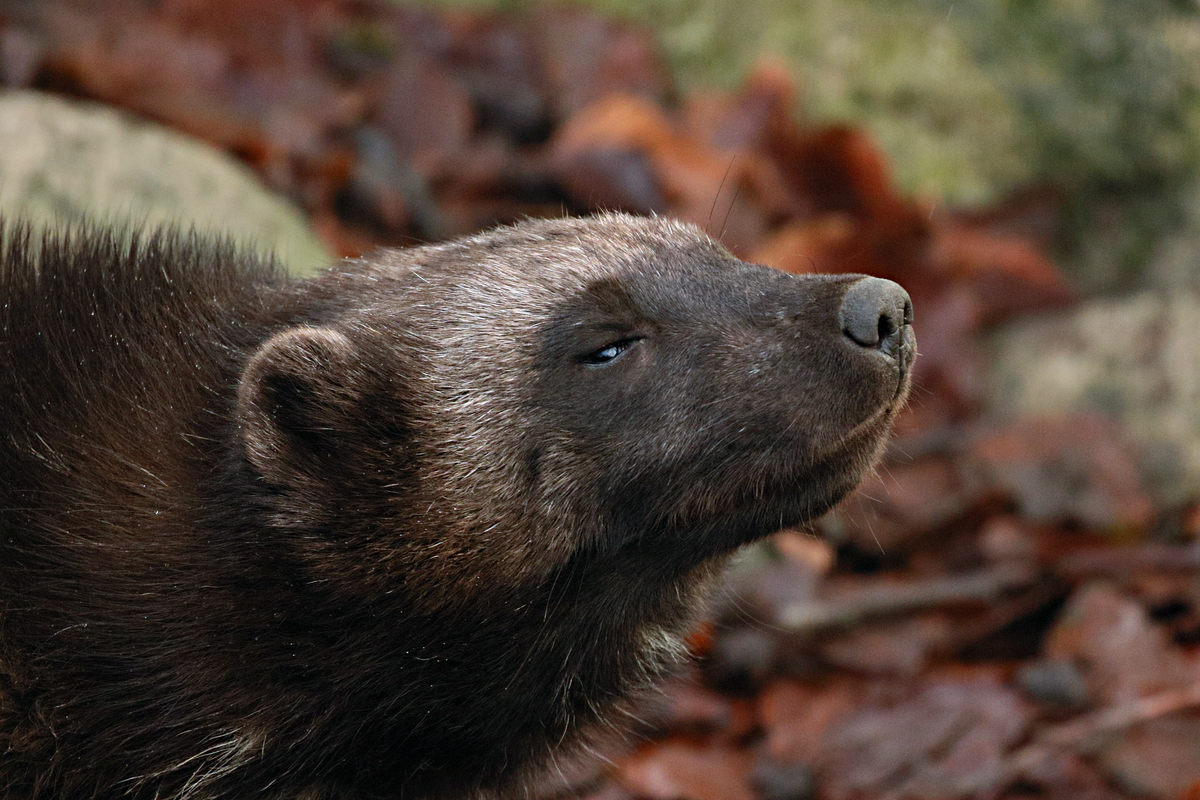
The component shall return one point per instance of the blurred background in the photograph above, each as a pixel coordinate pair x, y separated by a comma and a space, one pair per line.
1010, 607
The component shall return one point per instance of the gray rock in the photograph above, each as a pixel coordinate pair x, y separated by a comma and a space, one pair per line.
62, 162
1135, 358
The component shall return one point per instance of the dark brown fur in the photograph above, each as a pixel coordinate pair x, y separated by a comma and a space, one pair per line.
398, 530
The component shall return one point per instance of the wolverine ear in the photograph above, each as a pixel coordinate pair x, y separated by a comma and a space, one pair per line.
296, 401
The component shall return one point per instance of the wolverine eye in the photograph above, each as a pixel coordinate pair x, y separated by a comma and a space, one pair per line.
610, 353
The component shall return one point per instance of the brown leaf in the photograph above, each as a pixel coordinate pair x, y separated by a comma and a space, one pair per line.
798, 716
676, 769
1122, 654
725, 193
214, 70
745, 120
946, 742
840, 169
1008, 274
1158, 759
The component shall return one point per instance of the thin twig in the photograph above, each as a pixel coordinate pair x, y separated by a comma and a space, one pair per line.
881, 601
1153, 557
1089, 730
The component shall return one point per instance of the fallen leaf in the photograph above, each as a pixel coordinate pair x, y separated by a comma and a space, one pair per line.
677, 769
947, 741
798, 716
1121, 653
1160, 758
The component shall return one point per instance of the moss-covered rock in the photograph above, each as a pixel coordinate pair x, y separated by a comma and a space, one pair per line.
63, 162
1131, 358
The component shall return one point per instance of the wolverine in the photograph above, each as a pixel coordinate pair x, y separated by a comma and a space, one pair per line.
411, 528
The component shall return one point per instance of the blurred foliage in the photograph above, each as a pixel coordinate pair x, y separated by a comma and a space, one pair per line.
973, 99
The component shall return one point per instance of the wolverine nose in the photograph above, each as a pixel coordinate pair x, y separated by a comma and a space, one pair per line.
874, 312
